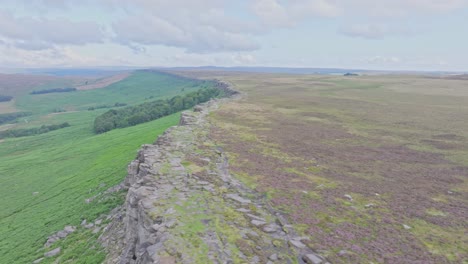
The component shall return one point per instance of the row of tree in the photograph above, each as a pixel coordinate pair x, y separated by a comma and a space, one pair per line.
55, 90
92, 108
133, 115
24, 132
5, 98
11, 117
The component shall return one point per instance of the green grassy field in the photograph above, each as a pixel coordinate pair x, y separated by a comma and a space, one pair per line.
45, 179
150, 87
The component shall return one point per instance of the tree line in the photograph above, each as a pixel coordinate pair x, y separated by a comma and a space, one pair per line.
134, 115
5, 98
11, 117
55, 90
92, 108
24, 132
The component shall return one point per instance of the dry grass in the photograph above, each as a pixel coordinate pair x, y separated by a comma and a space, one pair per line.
103, 82
397, 144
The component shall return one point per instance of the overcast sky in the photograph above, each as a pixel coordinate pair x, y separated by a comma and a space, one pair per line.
369, 34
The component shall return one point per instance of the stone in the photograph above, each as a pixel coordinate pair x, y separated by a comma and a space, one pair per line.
96, 230
369, 205
88, 226
62, 234
297, 243
271, 228
256, 217
237, 198
407, 227
257, 223
98, 222
38, 260
170, 211
69, 229
348, 196
35, 193
52, 253
273, 257
83, 222
156, 227
171, 223
342, 253
312, 258
243, 210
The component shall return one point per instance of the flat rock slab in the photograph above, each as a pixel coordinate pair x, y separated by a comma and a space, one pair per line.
297, 243
312, 259
52, 253
258, 222
237, 198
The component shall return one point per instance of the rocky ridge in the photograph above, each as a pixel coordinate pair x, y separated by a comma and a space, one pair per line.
183, 206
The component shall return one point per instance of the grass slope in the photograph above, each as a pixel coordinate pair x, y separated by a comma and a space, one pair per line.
151, 86
45, 179
65, 167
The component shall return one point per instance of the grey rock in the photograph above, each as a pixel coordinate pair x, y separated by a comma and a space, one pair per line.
52, 253
312, 258
271, 228
258, 223
96, 230
88, 226
62, 234
156, 227
83, 222
297, 243
98, 222
69, 229
407, 227
256, 217
343, 253
237, 198
38, 260
348, 196
35, 193
273, 257
171, 223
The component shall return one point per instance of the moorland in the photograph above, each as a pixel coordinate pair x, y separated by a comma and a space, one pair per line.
370, 169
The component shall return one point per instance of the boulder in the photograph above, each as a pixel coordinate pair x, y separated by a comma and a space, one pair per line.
312, 259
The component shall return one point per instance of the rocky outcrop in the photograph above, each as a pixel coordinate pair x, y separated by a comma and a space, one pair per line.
183, 206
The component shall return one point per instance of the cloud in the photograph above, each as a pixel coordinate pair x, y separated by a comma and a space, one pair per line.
374, 31
42, 33
200, 28
383, 60
399, 8
287, 14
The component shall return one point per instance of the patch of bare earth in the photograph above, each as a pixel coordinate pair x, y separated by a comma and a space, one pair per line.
360, 198
104, 82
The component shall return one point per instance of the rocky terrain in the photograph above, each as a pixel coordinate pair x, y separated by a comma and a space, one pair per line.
183, 206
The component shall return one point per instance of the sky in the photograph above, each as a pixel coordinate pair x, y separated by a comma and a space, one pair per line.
361, 34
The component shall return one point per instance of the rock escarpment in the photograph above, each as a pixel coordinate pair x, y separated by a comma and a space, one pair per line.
183, 206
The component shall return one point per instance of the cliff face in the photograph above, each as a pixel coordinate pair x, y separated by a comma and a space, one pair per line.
183, 206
